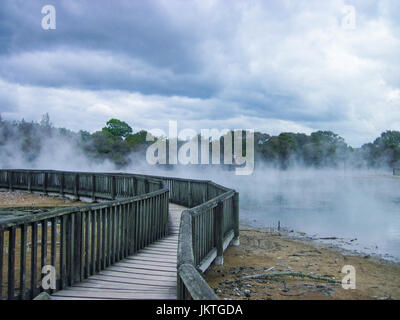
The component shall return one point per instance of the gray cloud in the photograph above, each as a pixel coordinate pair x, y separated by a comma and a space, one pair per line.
277, 65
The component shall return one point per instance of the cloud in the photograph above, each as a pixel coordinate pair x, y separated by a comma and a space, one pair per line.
275, 66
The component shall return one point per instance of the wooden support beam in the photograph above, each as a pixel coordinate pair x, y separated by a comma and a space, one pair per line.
236, 239
219, 234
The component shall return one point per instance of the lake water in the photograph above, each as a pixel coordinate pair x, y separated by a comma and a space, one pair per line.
361, 208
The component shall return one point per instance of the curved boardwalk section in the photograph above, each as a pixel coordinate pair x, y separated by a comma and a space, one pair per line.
143, 237
150, 274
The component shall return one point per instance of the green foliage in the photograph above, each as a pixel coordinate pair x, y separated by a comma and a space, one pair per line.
137, 139
390, 139
116, 142
321, 148
117, 128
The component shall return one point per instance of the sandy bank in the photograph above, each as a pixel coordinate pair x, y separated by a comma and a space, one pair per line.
271, 252
24, 199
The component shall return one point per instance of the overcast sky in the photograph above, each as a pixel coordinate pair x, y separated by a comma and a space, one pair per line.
273, 66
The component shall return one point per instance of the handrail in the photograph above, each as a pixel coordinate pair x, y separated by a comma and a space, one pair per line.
205, 231
77, 242
87, 239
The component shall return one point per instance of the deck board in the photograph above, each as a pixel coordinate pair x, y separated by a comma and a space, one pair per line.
149, 274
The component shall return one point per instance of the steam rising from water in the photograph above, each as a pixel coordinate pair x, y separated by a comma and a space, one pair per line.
349, 204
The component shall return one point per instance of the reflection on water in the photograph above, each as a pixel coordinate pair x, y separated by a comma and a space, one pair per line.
329, 204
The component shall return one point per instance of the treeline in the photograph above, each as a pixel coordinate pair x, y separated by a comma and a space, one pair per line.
115, 142
118, 143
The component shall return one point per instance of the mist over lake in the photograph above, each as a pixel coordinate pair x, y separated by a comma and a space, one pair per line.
361, 207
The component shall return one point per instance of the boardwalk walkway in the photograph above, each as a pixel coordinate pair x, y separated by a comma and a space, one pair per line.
150, 274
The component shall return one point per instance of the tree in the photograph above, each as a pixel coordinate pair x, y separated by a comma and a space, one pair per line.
137, 139
45, 122
391, 139
117, 128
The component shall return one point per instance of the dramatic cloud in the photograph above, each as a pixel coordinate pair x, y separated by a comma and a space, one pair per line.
269, 65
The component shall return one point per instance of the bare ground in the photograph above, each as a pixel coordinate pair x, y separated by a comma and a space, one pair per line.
271, 252
23, 199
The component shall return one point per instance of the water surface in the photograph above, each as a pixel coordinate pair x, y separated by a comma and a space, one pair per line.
361, 208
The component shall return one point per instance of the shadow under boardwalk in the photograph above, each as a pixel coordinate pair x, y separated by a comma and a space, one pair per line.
149, 274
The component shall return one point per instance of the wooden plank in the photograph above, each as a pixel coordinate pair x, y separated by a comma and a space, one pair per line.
150, 255
53, 249
132, 281
113, 291
155, 260
119, 286
93, 220
63, 252
43, 255
154, 279
11, 263
72, 298
34, 235
87, 234
153, 263
164, 250
70, 249
1, 261
147, 267
168, 241
22, 274
158, 251
114, 295
167, 246
144, 271
108, 212
102, 254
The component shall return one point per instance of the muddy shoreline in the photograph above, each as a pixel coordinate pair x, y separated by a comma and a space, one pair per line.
10, 199
281, 265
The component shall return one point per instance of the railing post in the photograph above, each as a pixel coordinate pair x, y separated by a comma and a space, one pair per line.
76, 187
146, 186
185, 250
189, 194
1, 261
113, 187
77, 247
29, 182
236, 239
11, 263
10, 184
45, 182
135, 187
62, 181
219, 234
94, 188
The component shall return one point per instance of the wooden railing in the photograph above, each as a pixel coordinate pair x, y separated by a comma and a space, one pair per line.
206, 230
77, 241
84, 240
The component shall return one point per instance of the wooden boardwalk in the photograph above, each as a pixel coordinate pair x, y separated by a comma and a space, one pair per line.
150, 274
